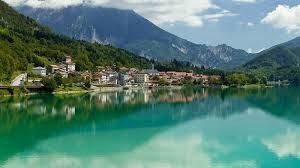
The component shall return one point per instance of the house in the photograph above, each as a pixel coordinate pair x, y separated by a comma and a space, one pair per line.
105, 77
64, 69
113, 80
124, 79
39, 71
141, 78
53, 69
20, 80
204, 78
70, 66
97, 77
100, 79
86, 75
68, 60
63, 72
151, 72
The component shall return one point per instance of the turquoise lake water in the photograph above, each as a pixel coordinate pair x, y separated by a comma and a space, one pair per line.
189, 128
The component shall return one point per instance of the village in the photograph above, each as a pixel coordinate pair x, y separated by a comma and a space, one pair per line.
111, 77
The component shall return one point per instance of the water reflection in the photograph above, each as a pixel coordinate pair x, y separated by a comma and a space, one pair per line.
158, 128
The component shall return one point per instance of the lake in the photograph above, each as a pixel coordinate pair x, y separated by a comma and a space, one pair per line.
188, 128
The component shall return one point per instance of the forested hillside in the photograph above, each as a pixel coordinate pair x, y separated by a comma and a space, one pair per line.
24, 43
281, 62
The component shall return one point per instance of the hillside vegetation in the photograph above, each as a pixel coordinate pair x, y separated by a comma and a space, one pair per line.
24, 43
278, 63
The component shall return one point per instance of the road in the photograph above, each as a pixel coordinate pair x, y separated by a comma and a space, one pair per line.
18, 81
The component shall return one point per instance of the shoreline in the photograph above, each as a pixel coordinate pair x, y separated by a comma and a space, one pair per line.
119, 89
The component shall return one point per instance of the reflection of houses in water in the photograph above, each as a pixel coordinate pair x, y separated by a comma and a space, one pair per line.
174, 97
38, 106
39, 110
128, 96
16, 105
106, 98
146, 96
52, 110
69, 112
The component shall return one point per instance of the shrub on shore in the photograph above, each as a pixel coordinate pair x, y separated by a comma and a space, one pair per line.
4, 93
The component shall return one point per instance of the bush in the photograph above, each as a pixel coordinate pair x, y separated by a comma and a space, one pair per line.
87, 83
4, 93
58, 79
237, 79
49, 84
163, 82
19, 91
296, 79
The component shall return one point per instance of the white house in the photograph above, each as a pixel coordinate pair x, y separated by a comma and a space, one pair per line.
39, 71
70, 66
142, 78
151, 72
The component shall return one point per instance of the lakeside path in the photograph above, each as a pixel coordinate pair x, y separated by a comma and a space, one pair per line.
18, 80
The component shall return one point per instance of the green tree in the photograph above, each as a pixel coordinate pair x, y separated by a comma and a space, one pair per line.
162, 82
49, 84
187, 80
58, 79
237, 79
214, 81
296, 80
87, 83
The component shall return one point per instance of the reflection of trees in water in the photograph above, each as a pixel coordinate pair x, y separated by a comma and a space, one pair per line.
282, 102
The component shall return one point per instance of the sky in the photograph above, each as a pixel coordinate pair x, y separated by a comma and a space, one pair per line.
252, 25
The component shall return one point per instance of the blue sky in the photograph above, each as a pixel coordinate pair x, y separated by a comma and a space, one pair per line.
243, 30
251, 25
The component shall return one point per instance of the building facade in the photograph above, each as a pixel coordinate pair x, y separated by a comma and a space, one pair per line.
141, 78
39, 71
70, 65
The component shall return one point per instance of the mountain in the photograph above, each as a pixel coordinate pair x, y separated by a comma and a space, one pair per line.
24, 43
279, 62
128, 30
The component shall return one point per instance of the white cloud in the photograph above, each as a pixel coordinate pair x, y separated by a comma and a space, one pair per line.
191, 12
245, 1
284, 17
217, 16
250, 24
284, 145
170, 149
44, 3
